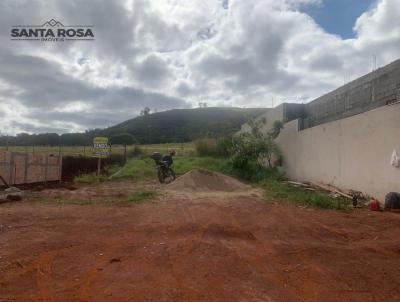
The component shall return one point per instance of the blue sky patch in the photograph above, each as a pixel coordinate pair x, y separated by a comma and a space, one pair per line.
338, 16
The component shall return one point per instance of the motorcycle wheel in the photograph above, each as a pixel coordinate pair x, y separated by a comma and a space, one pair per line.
173, 174
169, 176
160, 175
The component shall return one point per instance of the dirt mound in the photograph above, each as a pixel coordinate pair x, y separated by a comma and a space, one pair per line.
203, 180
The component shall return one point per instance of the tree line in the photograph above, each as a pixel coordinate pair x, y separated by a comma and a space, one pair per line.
66, 139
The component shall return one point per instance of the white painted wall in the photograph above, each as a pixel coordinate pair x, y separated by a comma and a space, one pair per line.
351, 153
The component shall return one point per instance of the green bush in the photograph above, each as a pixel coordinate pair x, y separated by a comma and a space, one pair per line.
253, 171
224, 146
206, 147
135, 152
214, 147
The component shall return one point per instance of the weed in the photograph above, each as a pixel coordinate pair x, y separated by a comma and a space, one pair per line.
141, 196
269, 179
88, 178
280, 190
144, 168
62, 201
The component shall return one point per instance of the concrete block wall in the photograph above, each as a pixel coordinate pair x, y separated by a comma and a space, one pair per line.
20, 168
346, 137
371, 91
350, 153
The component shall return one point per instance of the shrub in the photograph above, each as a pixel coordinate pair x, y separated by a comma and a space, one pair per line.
206, 147
214, 147
251, 150
224, 146
253, 171
135, 152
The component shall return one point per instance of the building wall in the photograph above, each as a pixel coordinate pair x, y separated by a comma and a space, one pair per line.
368, 92
350, 153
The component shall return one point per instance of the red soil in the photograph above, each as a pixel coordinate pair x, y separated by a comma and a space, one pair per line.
209, 249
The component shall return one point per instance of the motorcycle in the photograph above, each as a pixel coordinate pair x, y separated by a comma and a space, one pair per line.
165, 173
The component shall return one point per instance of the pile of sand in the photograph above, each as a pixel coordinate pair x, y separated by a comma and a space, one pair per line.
203, 181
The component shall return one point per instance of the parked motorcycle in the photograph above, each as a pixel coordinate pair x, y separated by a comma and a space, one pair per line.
165, 173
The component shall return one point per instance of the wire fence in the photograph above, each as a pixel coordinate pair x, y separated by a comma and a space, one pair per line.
183, 149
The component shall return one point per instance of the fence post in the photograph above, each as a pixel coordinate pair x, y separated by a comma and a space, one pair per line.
98, 168
10, 169
60, 168
26, 168
46, 158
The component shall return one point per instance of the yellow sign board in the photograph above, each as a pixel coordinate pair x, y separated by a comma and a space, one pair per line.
100, 146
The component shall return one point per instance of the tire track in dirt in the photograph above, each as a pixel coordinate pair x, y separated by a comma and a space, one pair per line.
189, 218
200, 249
91, 274
44, 276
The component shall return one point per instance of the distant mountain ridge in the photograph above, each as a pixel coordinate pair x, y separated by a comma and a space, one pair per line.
172, 126
183, 125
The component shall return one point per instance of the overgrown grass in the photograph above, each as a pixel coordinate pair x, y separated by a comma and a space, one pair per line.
144, 167
88, 178
61, 201
141, 196
277, 189
185, 164
270, 180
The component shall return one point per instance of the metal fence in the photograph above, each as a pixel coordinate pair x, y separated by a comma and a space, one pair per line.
184, 149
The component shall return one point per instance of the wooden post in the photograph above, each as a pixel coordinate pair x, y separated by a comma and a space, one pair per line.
98, 168
11, 169
26, 168
46, 164
15, 173
124, 154
60, 168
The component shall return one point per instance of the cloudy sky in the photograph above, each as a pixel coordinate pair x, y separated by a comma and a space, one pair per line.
176, 53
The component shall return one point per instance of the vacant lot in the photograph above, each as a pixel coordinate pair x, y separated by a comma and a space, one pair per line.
97, 243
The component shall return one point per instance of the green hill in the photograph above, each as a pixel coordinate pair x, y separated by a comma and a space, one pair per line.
182, 125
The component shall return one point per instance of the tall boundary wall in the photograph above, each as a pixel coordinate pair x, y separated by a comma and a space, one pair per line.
350, 153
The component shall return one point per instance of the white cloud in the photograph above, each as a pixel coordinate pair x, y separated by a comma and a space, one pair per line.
159, 52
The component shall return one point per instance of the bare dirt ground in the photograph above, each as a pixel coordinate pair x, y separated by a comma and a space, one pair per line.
192, 248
